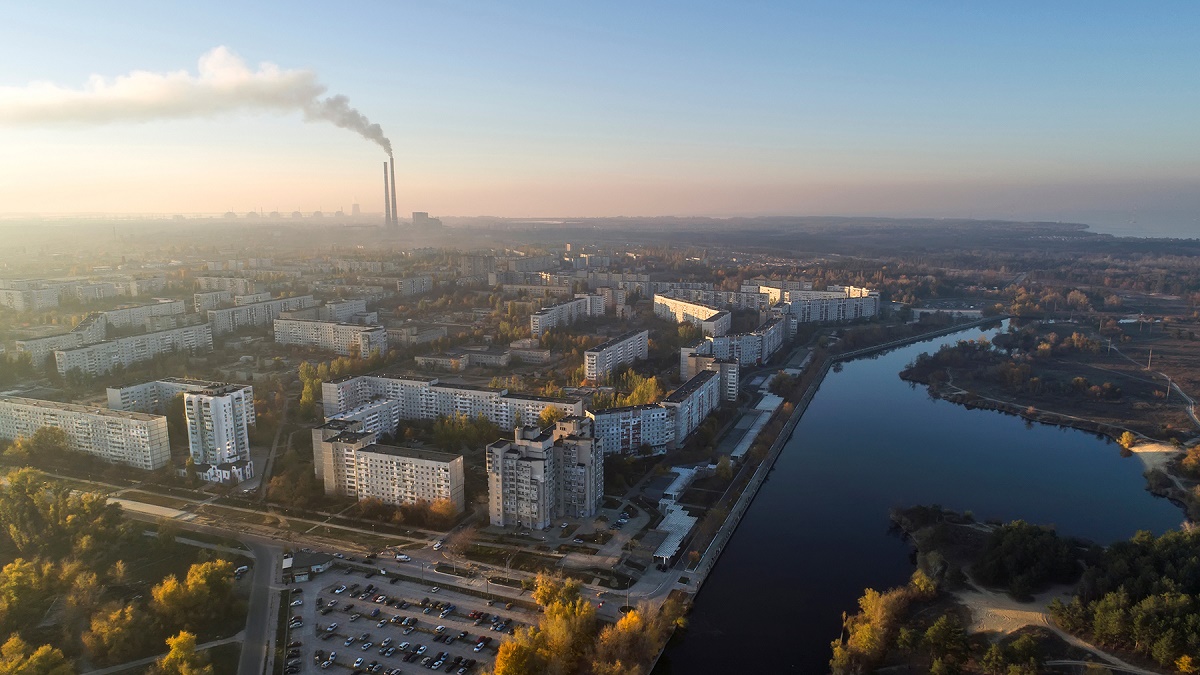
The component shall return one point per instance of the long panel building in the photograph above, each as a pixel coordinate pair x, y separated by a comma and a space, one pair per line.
660, 425
350, 463
542, 475
347, 339
255, 314
381, 401
102, 357
711, 320
602, 361
133, 439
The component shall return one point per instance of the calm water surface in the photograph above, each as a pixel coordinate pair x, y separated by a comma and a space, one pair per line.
817, 533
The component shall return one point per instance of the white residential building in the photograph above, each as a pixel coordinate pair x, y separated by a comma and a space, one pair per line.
709, 319
350, 463
138, 315
347, 339
417, 285
235, 285
543, 475
218, 414
693, 401
626, 430
603, 360
207, 300
837, 303
381, 401
258, 314
342, 311
102, 357
565, 313
132, 439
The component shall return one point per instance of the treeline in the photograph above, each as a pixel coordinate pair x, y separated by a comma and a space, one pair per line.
77, 547
312, 377
1025, 558
639, 390
1142, 595
980, 361
869, 634
439, 514
569, 639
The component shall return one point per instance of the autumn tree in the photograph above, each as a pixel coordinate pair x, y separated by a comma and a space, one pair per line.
182, 658
117, 633
442, 513
198, 602
17, 657
549, 589
550, 414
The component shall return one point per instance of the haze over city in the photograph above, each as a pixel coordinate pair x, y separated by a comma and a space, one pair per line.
1068, 111
599, 339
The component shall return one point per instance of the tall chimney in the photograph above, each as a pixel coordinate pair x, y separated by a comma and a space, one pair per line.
395, 213
387, 200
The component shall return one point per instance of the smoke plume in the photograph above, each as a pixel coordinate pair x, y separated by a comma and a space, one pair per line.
223, 84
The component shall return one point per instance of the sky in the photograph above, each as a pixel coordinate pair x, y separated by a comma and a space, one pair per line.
1082, 111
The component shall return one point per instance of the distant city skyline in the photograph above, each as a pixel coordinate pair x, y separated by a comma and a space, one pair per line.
1068, 111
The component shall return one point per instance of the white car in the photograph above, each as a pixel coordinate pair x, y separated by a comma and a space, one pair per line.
440, 629
435, 589
297, 602
402, 558
437, 545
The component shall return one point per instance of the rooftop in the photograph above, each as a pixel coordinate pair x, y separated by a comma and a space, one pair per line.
70, 407
412, 453
612, 342
688, 388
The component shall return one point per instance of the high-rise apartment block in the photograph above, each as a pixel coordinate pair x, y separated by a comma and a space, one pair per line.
133, 439
603, 360
350, 463
565, 313
219, 416
347, 339
235, 285
542, 475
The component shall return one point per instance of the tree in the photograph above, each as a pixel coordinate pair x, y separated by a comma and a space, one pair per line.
549, 589
182, 658
177, 427
946, 637
550, 415
200, 601
518, 657
442, 513
461, 540
17, 657
724, 468
1127, 440
117, 633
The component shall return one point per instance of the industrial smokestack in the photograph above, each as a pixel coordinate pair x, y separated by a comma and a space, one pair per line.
387, 200
395, 213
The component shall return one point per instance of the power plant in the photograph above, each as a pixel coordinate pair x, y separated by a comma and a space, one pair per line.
390, 216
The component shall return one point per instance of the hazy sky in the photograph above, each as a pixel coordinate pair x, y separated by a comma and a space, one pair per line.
1018, 109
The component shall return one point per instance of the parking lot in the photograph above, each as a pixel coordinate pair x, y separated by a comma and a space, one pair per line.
377, 618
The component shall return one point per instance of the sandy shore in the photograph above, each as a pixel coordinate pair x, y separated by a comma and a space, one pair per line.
1156, 455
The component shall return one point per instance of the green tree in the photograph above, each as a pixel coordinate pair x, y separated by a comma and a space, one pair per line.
946, 638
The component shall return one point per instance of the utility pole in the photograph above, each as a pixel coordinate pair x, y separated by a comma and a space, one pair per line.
1168, 396
1150, 358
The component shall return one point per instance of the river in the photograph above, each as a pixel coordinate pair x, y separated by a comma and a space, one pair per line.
817, 533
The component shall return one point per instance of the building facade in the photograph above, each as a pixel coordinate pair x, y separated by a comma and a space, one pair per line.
132, 439
350, 463
543, 475
711, 320
603, 360
347, 339
102, 357
230, 319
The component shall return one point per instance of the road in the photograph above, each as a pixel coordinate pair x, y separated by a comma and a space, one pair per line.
260, 617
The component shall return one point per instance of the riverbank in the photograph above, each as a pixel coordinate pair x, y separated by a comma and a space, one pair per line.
1160, 460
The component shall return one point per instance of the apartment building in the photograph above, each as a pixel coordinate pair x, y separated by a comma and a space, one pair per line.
381, 401
415, 334
219, 416
533, 263
235, 285
747, 349
342, 311
711, 320
476, 265
543, 475
350, 463
132, 439
628, 429
837, 303
693, 401
565, 313
347, 339
410, 286
460, 358
258, 314
603, 360
102, 357
250, 298
42, 349
728, 370
30, 295
202, 302
138, 315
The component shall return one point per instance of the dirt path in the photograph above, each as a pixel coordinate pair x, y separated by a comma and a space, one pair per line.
993, 612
